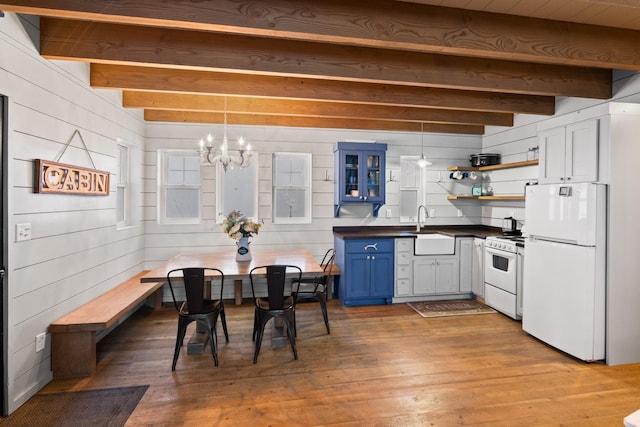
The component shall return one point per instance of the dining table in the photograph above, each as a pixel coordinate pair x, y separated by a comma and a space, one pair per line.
238, 271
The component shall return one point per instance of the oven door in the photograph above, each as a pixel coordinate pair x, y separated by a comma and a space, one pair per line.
500, 269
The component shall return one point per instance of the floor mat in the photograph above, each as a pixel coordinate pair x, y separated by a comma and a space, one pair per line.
450, 308
105, 407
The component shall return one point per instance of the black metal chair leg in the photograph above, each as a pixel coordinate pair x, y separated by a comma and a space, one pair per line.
182, 330
323, 307
213, 341
223, 317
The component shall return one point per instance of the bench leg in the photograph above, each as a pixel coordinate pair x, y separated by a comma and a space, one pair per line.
73, 354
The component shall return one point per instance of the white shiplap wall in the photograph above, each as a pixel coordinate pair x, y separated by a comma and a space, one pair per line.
164, 241
75, 252
513, 143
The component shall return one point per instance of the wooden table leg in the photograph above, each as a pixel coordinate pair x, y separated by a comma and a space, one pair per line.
237, 288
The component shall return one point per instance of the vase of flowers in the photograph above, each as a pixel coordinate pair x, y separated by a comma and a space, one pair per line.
240, 228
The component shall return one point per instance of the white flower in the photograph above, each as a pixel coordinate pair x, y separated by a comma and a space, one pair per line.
237, 226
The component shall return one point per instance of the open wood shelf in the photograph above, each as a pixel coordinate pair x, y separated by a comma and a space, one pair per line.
494, 167
485, 197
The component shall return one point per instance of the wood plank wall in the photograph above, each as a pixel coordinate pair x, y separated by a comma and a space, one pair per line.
75, 251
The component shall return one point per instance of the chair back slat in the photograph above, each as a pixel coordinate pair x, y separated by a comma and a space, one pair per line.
276, 275
276, 283
194, 288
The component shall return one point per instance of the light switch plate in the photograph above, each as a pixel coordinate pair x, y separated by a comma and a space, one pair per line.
40, 341
23, 232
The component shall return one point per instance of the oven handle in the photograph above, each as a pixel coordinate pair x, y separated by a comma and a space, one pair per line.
499, 252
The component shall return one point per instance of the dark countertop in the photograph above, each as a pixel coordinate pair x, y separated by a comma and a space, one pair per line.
368, 232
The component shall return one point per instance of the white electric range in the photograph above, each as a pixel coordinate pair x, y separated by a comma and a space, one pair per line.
503, 268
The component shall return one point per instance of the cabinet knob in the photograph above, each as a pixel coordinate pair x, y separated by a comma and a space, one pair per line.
373, 257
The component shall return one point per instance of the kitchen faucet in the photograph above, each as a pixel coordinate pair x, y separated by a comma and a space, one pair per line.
426, 215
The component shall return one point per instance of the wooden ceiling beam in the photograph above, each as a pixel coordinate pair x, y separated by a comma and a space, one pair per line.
216, 103
105, 76
374, 23
312, 122
180, 49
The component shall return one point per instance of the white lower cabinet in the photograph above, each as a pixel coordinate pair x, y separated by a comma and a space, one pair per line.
427, 277
435, 275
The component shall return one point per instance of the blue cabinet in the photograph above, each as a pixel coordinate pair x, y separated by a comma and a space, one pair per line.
360, 174
366, 271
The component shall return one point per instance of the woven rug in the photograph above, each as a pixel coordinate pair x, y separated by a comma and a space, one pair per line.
105, 407
449, 308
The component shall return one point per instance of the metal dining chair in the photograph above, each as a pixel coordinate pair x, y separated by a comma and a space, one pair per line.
277, 304
197, 307
316, 288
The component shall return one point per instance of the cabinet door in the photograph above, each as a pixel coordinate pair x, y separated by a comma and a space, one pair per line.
581, 164
477, 268
447, 276
357, 280
552, 156
374, 180
424, 276
351, 176
381, 275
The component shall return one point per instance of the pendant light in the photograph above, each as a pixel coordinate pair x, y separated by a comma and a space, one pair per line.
422, 162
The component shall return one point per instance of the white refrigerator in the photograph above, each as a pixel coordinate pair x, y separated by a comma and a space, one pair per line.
563, 299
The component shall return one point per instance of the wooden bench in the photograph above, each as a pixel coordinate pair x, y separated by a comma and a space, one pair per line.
74, 336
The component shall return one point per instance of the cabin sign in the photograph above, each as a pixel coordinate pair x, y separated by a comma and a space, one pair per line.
53, 177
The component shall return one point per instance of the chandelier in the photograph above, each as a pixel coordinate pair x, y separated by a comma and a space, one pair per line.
209, 156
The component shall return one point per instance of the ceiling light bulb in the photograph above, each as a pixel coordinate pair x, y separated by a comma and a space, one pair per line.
422, 162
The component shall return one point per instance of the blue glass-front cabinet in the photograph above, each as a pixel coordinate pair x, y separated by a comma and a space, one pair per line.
366, 271
360, 174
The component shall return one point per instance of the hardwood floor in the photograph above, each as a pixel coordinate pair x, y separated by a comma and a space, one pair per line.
381, 366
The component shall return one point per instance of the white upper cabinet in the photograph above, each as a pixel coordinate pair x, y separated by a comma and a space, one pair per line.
569, 153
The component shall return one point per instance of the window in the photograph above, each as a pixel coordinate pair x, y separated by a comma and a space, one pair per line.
291, 188
237, 189
179, 189
412, 188
123, 200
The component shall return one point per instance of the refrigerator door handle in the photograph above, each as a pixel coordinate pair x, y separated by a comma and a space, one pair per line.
554, 240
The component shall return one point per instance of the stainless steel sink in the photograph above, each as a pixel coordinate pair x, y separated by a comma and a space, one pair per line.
434, 244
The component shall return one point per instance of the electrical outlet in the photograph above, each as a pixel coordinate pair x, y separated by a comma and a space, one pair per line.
40, 340
388, 213
432, 213
459, 213
23, 232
